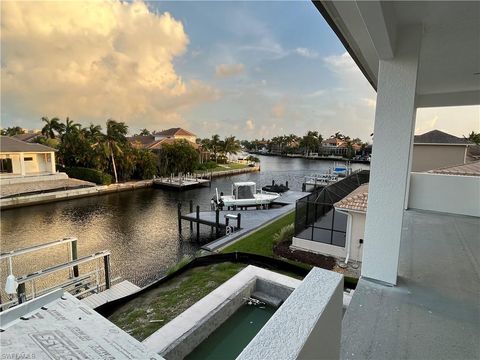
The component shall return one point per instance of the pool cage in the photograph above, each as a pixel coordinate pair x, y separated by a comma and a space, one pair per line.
315, 216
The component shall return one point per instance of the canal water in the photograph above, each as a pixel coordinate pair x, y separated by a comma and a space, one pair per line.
139, 227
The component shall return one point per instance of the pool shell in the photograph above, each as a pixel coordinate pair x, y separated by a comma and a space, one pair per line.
183, 334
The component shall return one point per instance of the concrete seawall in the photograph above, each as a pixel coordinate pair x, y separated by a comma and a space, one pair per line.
217, 174
47, 197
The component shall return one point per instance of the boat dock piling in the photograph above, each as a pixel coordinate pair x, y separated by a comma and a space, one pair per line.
212, 220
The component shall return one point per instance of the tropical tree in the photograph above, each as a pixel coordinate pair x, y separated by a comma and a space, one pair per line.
12, 131
115, 139
230, 145
215, 145
51, 126
144, 132
179, 157
311, 142
473, 137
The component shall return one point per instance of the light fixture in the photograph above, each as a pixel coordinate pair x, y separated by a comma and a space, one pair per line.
11, 284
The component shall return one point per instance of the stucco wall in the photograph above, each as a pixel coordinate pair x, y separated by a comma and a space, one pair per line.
429, 157
445, 193
357, 233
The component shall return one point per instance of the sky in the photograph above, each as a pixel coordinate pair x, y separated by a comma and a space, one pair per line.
251, 69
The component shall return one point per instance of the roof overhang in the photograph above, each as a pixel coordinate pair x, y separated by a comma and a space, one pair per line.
449, 61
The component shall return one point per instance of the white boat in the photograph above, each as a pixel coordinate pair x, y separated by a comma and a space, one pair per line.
246, 194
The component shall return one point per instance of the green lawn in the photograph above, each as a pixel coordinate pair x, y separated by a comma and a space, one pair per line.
148, 312
261, 241
225, 167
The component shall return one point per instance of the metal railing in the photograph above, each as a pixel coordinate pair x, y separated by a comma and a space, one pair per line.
78, 285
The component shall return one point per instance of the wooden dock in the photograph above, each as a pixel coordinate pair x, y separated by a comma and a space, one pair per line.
237, 223
117, 291
181, 182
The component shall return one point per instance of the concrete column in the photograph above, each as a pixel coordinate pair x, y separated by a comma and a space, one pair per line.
22, 164
390, 167
52, 158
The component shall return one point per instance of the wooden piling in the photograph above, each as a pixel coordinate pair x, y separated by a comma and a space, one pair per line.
21, 293
191, 211
239, 217
198, 223
74, 256
106, 264
179, 209
217, 223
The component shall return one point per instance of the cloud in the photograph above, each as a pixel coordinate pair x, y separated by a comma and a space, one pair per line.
310, 54
249, 124
227, 70
94, 60
278, 110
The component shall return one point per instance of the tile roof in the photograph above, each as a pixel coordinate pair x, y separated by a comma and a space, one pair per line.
28, 136
159, 143
174, 131
439, 137
10, 144
141, 141
470, 169
356, 200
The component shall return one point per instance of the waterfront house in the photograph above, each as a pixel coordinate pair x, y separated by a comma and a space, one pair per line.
436, 149
155, 141
20, 159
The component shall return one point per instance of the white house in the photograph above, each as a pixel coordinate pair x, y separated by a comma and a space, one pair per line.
20, 159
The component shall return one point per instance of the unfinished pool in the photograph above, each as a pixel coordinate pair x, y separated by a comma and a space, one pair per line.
222, 324
228, 341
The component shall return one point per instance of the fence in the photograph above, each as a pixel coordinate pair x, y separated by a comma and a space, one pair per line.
315, 216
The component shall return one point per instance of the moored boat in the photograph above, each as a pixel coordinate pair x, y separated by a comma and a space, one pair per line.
245, 194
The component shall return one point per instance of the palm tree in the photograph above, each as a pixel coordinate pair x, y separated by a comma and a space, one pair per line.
230, 145
215, 145
51, 125
144, 132
114, 140
93, 132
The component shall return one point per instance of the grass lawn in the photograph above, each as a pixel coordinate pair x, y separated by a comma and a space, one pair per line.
261, 241
170, 299
225, 167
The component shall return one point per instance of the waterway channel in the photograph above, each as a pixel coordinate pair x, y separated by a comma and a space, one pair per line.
139, 227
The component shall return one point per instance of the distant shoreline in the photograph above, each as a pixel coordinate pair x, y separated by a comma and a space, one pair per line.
322, 158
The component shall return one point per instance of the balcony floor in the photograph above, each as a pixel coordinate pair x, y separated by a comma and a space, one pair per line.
434, 311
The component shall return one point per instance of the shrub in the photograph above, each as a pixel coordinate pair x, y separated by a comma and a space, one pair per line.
207, 166
91, 175
285, 234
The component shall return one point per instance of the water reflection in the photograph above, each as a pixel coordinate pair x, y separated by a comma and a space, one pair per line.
139, 227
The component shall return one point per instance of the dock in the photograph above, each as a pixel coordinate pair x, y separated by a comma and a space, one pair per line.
181, 182
117, 291
239, 223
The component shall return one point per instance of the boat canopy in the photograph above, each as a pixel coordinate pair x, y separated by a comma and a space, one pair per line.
244, 183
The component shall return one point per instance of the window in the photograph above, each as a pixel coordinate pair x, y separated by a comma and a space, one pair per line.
6, 166
29, 158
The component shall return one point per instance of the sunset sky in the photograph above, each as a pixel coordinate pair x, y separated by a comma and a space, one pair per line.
245, 68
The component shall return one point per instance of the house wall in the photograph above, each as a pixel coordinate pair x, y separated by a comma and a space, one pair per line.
429, 157
356, 231
40, 163
16, 168
453, 194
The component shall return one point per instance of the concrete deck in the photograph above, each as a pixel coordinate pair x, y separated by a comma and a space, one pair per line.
434, 312
27, 188
250, 220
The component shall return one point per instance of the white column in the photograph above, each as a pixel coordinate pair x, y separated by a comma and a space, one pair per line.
52, 158
390, 168
22, 164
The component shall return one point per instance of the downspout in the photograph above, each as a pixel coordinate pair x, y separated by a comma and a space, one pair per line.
349, 234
